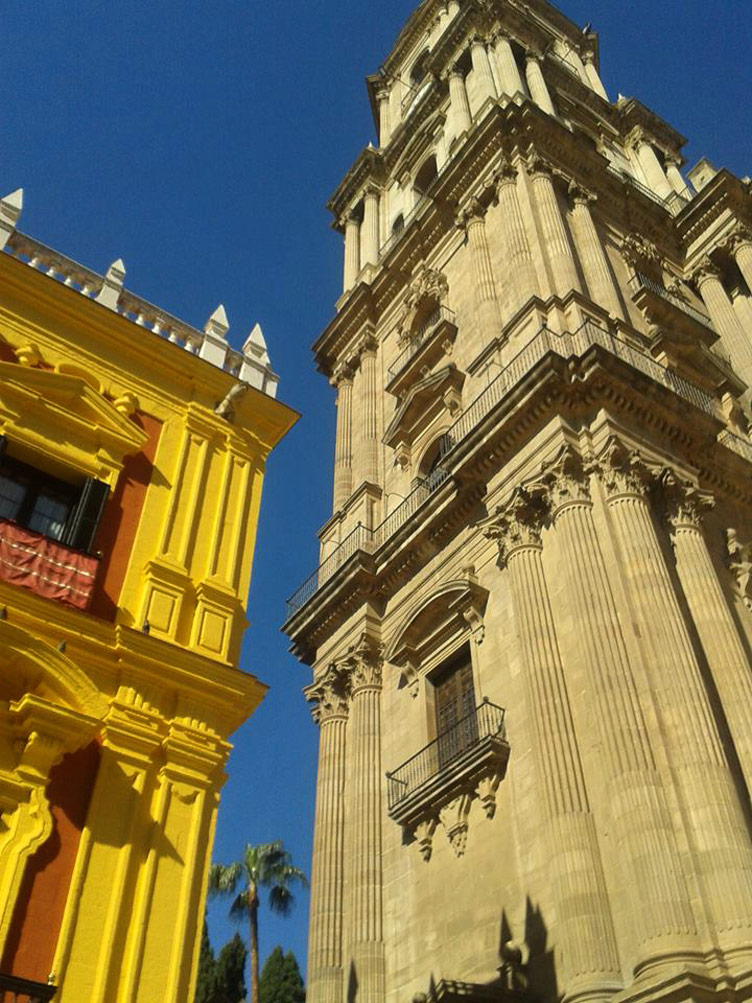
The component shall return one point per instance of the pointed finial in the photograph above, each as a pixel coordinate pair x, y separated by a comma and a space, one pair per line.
255, 345
218, 325
112, 285
10, 210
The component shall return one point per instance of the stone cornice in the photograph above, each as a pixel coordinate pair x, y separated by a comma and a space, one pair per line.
635, 115
367, 167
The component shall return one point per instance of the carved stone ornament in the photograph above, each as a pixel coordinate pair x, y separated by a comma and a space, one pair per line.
454, 819
686, 505
565, 481
537, 166
364, 663
739, 563
704, 271
740, 237
486, 792
505, 174
579, 195
329, 695
622, 471
639, 252
517, 525
424, 831
428, 284
472, 212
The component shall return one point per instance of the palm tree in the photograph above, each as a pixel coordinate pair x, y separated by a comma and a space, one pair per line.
268, 865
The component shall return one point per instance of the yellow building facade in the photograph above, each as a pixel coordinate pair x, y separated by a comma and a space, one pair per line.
131, 467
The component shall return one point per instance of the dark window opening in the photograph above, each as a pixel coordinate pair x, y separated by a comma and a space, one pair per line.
454, 699
398, 225
426, 176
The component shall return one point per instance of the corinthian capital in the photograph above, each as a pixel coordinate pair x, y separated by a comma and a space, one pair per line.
739, 238
703, 271
472, 212
364, 664
565, 482
329, 695
622, 471
686, 505
537, 167
580, 195
517, 525
505, 174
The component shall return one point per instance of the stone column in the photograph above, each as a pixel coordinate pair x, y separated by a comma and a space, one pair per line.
593, 76
592, 256
536, 83
711, 809
521, 279
343, 380
676, 180
352, 251
506, 65
554, 238
647, 856
369, 440
472, 220
654, 174
459, 106
385, 125
365, 965
370, 229
741, 248
329, 696
582, 907
482, 70
742, 304
708, 280
719, 636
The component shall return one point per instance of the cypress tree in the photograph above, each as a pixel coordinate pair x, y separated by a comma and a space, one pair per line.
281, 981
230, 971
206, 982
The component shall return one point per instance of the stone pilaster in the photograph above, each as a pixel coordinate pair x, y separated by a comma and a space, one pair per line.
655, 176
367, 418
719, 636
521, 279
582, 906
482, 70
506, 65
329, 696
365, 956
593, 76
554, 238
598, 276
707, 278
740, 246
385, 124
370, 229
536, 83
677, 182
343, 380
459, 107
472, 220
650, 870
711, 808
352, 251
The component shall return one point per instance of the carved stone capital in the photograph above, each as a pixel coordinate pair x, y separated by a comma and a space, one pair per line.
686, 505
739, 238
517, 525
565, 482
343, 375
537, 167
622, 471
580, 196
329, 695
472, 212
506, 174
704, 271
364, 664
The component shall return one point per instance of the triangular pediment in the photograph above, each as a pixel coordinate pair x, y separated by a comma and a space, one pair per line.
419, 400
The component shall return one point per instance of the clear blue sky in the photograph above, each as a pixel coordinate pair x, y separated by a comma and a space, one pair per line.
199, 142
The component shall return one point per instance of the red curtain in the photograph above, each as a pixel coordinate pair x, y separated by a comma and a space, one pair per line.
45, 566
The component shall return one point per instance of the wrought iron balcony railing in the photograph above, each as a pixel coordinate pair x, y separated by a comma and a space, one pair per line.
419, 338
641, 281
471, 732
15, 990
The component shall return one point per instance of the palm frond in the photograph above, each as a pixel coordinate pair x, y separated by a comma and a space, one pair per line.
223, 879
240, 907
281, 900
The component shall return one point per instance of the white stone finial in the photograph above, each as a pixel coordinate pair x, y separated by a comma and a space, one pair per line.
112, 285
256, 368
10, 210
255, 345
218, 325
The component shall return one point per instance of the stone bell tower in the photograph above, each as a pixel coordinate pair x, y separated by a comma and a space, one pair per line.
531, 624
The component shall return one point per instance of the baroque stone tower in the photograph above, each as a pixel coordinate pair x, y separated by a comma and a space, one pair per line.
530, 629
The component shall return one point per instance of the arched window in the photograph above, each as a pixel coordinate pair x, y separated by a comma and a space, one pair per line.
398, 225
425, 176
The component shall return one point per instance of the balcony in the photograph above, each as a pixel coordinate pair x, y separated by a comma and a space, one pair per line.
467, 761
433, 339
45, 566
15, 990
662, 306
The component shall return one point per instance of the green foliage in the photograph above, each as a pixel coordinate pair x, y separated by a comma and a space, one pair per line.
281, 981
230, 972
267, 865
205, 985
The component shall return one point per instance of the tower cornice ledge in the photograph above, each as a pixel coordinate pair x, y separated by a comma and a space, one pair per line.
367, 167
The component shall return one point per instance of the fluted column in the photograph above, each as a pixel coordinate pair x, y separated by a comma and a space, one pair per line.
598, 276
506, 65
472, 220
719, 636
482, 70
742, 304
329, 696
521, 280
711, 808
369, 441
554, 238
352, 251
370, 230
707, 277
536, 83
343, 380
593, 76
385, 124
365, 963
654, 174
741, 248
647, 857
459, 107
581, 899
677, 182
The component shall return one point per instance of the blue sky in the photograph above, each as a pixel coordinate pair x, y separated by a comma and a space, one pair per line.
199, 142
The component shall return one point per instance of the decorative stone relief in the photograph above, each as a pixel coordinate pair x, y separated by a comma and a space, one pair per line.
329, 695
622, 471
740, 565
486, 793
364, 663
454, 819
424, 831
565, 481
517, 524
427, 284
686, 505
